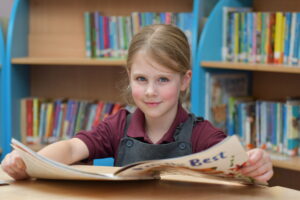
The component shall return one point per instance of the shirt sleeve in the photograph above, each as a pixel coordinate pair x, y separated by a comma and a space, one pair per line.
103, 140
205, 135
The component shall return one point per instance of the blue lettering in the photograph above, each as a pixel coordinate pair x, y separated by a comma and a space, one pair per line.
195, 162
207, 160
215, 158
222, 155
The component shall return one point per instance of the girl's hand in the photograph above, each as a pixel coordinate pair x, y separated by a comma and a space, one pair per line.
259, 165
14, 166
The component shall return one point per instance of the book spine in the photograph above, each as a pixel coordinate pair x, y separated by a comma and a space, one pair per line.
29, 120
287, 36
74, 112
263, 53
253, 47
62, 118
101, 36
258, 32
93, 36
87, 29
97, 118
35, 118
292, 37
49, 121
23, 121
270, 40
57, 111
42, 121
278, 38
97, 34
296, 41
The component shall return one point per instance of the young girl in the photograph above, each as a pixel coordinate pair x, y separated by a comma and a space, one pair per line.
158, 66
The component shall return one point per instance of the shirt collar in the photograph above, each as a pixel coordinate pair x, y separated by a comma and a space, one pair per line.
136, 128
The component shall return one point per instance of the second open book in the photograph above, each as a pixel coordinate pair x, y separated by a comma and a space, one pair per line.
222, 161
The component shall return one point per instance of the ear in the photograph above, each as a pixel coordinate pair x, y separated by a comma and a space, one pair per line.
186, 79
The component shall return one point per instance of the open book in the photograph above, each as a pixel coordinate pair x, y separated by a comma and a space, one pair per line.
220, 161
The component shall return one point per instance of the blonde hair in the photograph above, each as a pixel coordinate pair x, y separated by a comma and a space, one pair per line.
166, 44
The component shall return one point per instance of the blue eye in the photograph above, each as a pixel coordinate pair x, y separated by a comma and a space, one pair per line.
163, 79
140, 78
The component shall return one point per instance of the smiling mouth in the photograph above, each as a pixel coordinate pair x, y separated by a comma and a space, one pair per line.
152, 104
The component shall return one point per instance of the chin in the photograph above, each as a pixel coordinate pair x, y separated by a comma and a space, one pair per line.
152, 113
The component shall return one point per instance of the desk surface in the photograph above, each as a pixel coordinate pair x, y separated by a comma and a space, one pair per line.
166, 188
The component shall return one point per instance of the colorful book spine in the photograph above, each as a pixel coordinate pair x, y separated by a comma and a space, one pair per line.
57, 111
278, 38
43, 116
87, 29
292, 37
297, 41
97, 34
270, 38
263, 52
258, 38
29, 120
36, 111
287, 36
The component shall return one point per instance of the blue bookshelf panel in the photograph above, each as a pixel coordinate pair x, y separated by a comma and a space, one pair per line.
16, 78
2, 57
209, 49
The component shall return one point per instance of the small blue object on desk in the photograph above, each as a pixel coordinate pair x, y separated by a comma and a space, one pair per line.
104, 162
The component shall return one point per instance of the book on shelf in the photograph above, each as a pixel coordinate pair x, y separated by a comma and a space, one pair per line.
260, 37
47, 121
230, 40
222, 161
271, 125
109, 36
221, 86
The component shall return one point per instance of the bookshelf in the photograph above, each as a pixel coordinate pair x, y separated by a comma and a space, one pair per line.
2, 59
269, 82
70, 61
251, 67
46, 52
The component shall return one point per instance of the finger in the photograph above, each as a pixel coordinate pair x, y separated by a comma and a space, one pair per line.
260, 171
265, 177
250, 167
10, 166
14, 166
15, 172
20, 163
17, 161
255, 155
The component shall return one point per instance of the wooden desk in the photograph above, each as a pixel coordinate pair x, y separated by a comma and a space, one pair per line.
153, 189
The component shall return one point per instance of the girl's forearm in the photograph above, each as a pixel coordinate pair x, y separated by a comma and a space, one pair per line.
66, 151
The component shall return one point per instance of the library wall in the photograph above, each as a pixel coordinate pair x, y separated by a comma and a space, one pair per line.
60, 29
82, 82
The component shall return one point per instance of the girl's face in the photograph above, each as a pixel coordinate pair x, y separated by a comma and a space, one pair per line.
155, 88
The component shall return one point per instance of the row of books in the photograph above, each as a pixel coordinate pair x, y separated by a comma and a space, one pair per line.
46, 121
109, 36
265, 124
261, 37
270, 125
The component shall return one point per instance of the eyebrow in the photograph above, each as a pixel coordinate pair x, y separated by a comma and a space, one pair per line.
145, 74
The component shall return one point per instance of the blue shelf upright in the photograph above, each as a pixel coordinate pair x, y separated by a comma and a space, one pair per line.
15, 78
2, 59
209, 49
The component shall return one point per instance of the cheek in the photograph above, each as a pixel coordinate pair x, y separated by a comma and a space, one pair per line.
170, 93
136, 91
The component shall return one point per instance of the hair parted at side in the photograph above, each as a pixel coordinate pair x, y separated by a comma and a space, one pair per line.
166, 44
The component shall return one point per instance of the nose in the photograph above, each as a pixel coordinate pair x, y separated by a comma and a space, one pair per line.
151, 89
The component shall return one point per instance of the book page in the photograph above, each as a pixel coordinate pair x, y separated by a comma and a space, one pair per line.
221, 160
38, 166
